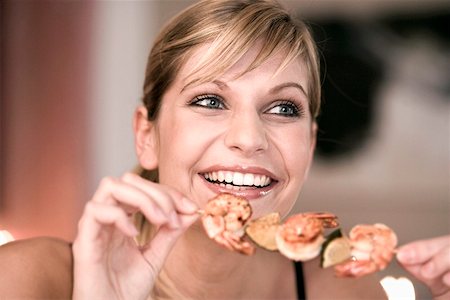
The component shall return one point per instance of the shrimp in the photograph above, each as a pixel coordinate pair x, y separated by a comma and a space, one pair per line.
300, 238
372, 249
224, 219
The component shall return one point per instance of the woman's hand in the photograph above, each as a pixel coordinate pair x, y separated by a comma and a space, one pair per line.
107, 262
429, 261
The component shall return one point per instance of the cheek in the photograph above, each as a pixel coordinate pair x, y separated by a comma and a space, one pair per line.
295, 148
182, 144
297, 159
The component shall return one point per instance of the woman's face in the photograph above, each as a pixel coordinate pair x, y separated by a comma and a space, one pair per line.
252, 135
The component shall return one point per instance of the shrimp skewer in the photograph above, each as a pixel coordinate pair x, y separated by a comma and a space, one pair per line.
224, 218
372, 249
300, 238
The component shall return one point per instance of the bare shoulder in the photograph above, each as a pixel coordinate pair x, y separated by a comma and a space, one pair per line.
321, 284
38, 268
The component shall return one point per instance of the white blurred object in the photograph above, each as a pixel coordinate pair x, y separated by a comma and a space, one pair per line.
398, 288
5, 237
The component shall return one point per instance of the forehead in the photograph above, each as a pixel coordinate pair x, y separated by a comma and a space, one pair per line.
272, 68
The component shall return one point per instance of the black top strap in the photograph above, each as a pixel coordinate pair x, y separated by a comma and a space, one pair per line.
300, 283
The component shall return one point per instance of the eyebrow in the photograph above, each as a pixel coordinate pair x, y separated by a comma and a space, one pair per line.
222, 85
279, 87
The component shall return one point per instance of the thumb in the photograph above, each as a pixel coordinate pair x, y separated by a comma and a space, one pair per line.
156, 252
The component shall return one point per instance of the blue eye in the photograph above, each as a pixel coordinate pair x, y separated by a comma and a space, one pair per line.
286, 109
208, 101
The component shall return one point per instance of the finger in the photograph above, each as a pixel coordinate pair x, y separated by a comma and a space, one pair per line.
155, 253
168, 196
152, 190
158, 195
92, 232
421, 251
415, 271
438, 265
97, 215
102, 194
446, 279
436, 286
134, 199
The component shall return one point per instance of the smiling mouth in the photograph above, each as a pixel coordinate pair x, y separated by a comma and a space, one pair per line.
238, 180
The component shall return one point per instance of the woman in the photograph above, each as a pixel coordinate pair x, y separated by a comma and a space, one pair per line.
231, 90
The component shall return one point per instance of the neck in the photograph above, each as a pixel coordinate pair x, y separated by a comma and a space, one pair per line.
199, 268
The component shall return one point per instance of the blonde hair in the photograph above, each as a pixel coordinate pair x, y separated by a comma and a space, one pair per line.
231, 28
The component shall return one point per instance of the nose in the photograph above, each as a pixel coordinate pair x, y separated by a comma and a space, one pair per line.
246, 134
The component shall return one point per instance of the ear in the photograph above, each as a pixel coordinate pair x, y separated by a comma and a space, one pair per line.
145, 139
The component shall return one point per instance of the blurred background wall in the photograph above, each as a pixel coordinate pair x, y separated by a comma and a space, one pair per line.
71, 76
46, 80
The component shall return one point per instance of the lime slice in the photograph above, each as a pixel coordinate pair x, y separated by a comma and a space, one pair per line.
335, 250
262, 231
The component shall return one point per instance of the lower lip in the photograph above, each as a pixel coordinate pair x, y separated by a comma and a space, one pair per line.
249, 194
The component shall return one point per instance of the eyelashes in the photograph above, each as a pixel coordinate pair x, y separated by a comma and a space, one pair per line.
208, 101
284, 108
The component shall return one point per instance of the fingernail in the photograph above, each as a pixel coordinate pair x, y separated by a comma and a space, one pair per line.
405, 255
189, 205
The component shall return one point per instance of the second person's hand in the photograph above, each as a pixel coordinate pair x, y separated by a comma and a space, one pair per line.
429, 261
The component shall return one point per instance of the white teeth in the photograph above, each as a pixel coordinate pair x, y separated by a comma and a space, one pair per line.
228, 177
220, 176
238, 178
231, 179
257, 181
249, 179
